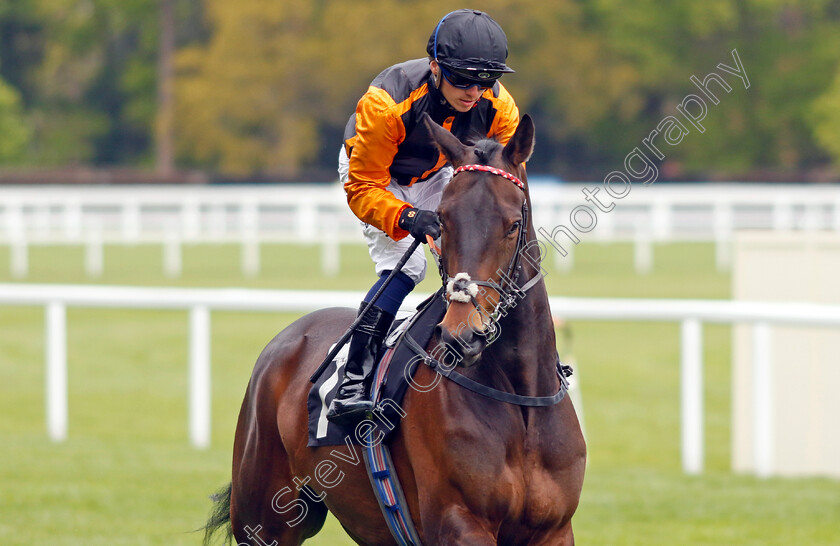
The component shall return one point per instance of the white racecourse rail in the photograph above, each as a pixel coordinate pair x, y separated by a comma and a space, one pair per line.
199, 302
318, 214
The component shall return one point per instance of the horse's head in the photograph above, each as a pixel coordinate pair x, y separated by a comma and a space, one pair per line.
483, 214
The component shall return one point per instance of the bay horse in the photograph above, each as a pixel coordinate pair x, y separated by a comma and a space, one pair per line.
474, 470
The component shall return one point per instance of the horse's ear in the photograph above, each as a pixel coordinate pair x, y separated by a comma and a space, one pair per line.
454, 150
521, 145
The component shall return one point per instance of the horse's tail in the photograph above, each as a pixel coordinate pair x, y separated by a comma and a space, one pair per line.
219, 516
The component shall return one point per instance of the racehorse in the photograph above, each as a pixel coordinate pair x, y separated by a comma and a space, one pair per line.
474, 470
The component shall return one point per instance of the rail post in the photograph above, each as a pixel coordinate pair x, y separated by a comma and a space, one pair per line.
691, 390
56, 341
762, 400
199, 385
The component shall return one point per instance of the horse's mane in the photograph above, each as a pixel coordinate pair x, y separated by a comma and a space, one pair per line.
485, 149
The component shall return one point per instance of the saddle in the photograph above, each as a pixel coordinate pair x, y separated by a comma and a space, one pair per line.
396, 365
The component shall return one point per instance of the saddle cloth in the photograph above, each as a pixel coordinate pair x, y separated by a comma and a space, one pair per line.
390, 380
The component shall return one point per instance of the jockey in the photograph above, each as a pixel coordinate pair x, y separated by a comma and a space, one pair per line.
393, 175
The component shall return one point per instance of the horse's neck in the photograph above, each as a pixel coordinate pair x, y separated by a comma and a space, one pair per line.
526, 349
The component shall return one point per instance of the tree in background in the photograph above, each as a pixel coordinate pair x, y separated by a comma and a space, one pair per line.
165, 115
273, 87
275, 84
266, 86
13, 128
15, 133
242, 97
271, 90
55, 65
826, 118
86, 70
788, 48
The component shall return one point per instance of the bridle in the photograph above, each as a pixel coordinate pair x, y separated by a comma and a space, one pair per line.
463, 289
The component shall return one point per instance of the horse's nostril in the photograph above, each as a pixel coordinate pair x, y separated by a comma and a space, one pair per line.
462, 337
444, 335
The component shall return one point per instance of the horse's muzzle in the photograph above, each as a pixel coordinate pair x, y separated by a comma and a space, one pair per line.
467, 345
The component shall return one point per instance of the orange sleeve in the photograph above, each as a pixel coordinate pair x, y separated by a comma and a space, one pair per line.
507, 116
379, 131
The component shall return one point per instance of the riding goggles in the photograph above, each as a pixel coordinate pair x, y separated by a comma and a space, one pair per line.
482, 78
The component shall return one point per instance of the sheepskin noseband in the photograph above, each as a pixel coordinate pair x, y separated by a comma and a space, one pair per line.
461, 288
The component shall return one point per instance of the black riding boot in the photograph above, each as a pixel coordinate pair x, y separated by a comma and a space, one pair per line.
352, 400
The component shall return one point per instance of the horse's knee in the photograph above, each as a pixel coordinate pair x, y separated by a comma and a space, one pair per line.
459, 526
285, 517
562, 537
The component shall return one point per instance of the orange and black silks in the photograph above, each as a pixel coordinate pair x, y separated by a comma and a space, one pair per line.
386, 140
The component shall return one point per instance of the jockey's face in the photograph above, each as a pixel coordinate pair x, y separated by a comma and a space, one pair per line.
459, 99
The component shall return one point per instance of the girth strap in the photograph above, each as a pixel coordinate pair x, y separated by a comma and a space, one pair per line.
489, 392
389, 493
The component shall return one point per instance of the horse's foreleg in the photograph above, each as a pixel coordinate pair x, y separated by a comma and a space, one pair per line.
281, 515
267, 507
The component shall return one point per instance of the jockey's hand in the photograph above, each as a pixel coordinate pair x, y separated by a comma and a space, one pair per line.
420, 223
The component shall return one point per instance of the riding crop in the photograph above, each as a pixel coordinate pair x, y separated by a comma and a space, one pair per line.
340, 343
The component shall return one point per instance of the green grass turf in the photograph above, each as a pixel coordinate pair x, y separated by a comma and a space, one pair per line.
127, 474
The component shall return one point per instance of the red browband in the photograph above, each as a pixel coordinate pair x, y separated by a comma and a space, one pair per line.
491, 170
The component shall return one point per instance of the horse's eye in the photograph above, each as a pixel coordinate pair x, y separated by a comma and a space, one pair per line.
513, 228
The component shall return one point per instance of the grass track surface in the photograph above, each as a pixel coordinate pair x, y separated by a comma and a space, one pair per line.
127, 475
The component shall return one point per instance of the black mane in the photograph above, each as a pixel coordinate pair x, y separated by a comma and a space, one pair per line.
485, 149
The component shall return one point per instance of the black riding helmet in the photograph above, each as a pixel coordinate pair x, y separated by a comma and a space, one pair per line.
471, 44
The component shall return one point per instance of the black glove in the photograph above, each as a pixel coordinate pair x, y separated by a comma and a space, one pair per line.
420, 223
